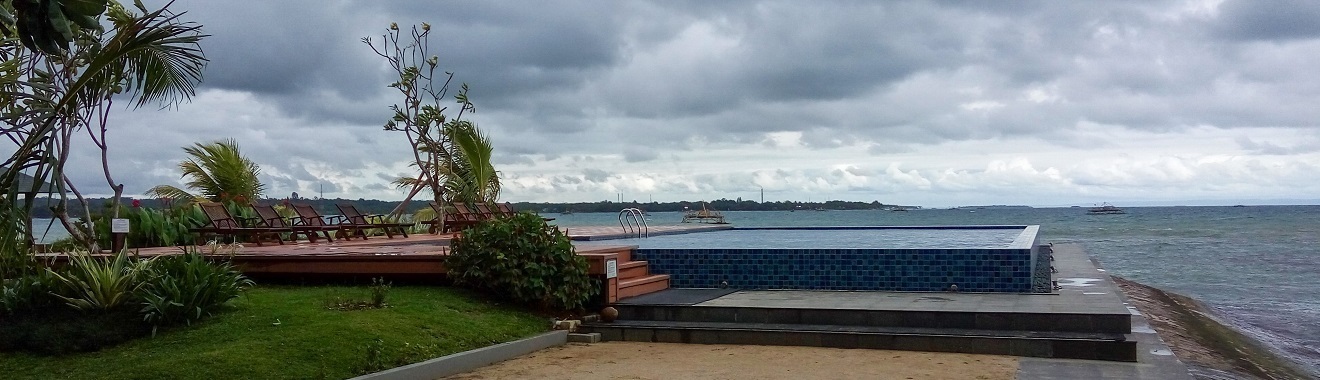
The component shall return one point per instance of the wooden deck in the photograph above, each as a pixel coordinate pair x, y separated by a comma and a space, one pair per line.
419, 255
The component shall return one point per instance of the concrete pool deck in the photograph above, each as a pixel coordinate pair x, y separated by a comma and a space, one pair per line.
1088, 306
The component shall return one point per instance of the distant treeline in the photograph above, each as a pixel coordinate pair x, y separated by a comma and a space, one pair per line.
327, 206
324, 206
719, 204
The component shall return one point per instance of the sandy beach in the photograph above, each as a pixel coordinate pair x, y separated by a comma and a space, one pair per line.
633, 360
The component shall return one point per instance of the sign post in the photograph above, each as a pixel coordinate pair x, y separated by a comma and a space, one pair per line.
118, 234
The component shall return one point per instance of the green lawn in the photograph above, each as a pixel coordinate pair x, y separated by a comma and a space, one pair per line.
288, 332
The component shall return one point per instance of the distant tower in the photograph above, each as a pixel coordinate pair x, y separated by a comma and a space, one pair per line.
762, 194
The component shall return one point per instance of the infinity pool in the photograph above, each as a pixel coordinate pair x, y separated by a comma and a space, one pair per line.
974, 258
842, 238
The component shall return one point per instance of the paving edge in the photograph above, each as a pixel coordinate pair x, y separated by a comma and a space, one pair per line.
469, 360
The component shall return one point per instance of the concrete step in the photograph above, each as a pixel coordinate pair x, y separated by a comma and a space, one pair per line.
633, 269
981, 320
643, 285
1092, 346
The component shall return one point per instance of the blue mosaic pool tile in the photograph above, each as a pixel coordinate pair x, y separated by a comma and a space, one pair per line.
980, 270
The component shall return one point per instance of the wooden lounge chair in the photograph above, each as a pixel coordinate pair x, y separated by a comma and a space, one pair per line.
268, 217
221, 223
354, 217
506, 209
486, 213
308, 216
460, 219
467, 213
452, 221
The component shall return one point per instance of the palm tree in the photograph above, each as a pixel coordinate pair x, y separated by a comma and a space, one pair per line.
469, 175
462, 163
218, 172
155, 58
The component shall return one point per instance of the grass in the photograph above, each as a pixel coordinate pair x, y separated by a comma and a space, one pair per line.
291, 332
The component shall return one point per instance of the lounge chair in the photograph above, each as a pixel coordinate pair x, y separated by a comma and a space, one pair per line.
467, 213
354, 217
452, 221
507, 209
220, 222
486, 213
308, 216
268, 217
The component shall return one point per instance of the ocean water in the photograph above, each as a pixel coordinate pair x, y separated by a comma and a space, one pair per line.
1258, 267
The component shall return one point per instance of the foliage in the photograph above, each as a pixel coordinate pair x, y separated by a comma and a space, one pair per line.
451, 155
522, 258
423, 322
218, 172
27, 292
49, 25
46, 95
152, 227
185, 288
97, 283
379, 290
469, 175
95, 301
60, 330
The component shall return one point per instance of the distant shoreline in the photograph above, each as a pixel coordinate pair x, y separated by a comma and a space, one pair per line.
1208, 347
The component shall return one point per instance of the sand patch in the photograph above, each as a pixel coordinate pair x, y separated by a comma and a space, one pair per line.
635, 360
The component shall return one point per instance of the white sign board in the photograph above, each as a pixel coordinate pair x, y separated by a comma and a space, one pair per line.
119, 226
611, 268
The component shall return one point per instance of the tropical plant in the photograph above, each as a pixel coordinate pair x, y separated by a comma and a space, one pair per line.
452, 157
99, 283
49, 25
522, 258
187, 287
47, 95
218, 172
27, 292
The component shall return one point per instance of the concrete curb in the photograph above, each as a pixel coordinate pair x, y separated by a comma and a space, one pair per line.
470, 360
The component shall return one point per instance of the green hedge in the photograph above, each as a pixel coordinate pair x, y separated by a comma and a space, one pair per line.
523, 259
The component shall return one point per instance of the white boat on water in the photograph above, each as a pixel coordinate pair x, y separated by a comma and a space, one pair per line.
1105, 209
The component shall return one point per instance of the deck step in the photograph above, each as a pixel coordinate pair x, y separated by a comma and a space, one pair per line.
1071, 345
983, 320
643, 285
633, 269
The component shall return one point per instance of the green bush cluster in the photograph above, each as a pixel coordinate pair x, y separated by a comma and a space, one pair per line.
523, 259
150, 227
96, 301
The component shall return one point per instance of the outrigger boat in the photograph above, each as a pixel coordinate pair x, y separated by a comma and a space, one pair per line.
703, 215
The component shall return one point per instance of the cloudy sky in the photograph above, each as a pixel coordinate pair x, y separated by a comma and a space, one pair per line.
923, 103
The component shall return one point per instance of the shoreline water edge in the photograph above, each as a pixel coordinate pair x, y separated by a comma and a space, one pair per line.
1211, 348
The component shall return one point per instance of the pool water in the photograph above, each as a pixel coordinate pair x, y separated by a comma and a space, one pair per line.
838, 238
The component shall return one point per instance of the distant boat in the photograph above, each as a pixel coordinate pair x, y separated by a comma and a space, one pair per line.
703, 215
566, 212
1105, 209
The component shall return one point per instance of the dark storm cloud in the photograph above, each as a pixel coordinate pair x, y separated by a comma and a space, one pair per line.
581, 83
1278, 20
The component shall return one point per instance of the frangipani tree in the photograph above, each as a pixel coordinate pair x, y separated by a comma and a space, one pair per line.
452, 156
48, 95
216, 172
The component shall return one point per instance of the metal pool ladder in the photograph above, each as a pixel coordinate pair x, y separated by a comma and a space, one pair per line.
633, 222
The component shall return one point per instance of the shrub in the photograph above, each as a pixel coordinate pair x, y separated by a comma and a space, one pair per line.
524, 259
185, 288
92, 283
27, 292
153, 227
